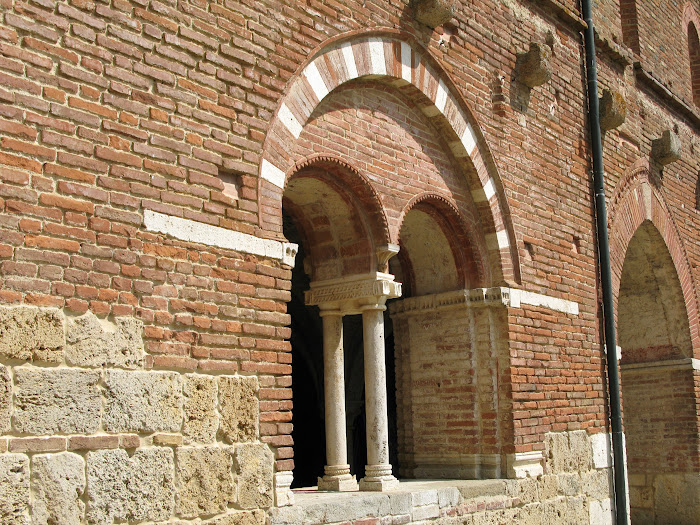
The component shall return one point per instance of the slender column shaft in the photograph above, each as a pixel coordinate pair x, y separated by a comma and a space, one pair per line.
378, 470
334, 383
337, 471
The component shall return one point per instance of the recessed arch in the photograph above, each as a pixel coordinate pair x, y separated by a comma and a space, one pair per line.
339, 217
635, 201
432, 226
395, 56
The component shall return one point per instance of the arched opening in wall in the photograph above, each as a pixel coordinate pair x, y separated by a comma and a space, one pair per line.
326, 219
694, 53
656, 378
630, 24
443, 353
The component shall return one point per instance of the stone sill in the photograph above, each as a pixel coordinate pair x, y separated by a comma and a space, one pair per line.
413, 500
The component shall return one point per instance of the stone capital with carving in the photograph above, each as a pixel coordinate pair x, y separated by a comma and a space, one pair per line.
353, 294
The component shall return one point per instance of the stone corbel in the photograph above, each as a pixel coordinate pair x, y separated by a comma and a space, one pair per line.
434, 13
534, 67
384, 253
667, 148
613, 110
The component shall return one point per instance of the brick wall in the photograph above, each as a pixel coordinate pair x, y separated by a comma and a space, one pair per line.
112, 109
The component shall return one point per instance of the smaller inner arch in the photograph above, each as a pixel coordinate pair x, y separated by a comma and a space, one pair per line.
333, 226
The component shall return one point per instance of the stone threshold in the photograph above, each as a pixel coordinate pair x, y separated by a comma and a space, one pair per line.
413, 500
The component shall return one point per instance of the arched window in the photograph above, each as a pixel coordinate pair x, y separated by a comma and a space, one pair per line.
630, 26
694, 52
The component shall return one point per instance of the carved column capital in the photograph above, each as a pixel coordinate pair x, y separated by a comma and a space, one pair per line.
353, 294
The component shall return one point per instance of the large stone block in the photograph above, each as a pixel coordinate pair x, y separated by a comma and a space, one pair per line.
14, 489
135, 488
56, 401
5, 399
255, 517
568, 452
90, 343
142, 401
205, 480
677, 498
239, 408
201, 418
58, 482
254, 470
31, 333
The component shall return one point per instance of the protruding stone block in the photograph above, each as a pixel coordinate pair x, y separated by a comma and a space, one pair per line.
239, 408
613, 110
666, 149
31, 333
434, 13
201, 418
56, 400
122, 488
58, 482
534, 68
89, 343
205, 480
143, 401
254, 469
5, 399
14, 489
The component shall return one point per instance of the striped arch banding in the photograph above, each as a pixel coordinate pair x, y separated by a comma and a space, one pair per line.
380, 56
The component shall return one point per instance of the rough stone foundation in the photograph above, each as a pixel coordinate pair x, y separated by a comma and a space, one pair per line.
90, 436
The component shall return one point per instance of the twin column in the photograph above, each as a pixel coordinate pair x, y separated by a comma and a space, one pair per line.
378, 476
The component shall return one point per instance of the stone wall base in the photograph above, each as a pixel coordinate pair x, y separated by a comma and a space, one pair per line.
574, 488
665, 498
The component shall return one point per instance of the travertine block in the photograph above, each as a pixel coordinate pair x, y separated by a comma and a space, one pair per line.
205, 480
14, 489
142, 401
239, 408
5, 399
254, 469
89, 343
58, 482
123, 488
568, 452
255, 517
31, 333
56, 401
201, 418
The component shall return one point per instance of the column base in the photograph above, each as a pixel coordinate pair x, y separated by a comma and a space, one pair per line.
344, 483
378, 478
379, 484
338, 479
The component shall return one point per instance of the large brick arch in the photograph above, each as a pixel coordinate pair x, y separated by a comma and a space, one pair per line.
636, 200
395, 56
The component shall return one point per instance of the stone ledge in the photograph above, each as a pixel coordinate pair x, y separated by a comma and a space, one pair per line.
416, 498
